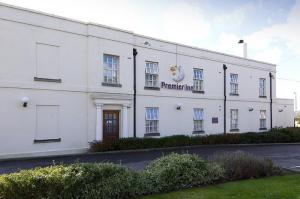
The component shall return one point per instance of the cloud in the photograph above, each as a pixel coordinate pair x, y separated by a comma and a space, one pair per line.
184, 23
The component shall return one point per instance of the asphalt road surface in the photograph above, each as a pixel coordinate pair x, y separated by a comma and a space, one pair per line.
286, 156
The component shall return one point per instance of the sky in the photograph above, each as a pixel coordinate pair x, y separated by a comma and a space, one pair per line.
271, 28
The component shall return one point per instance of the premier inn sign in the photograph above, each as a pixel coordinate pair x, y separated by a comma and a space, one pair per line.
177, 74
176, 86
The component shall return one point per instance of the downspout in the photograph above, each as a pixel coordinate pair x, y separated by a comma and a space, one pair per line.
271, 101
134, 91
225, 98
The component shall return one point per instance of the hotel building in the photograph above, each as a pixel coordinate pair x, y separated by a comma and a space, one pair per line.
65, 83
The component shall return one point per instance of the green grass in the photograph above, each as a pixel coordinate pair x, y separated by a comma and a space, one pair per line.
279, 187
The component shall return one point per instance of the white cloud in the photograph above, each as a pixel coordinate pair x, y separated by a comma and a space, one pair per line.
184, 23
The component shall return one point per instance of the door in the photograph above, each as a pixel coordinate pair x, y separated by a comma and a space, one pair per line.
110, 124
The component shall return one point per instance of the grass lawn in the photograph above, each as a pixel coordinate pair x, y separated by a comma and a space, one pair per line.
279, 187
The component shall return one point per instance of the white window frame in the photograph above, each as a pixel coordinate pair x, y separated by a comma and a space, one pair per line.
234, 119
111, 69
263, 119
262, 87
151, 74
151, 120
234, 85
198, 119
198, 79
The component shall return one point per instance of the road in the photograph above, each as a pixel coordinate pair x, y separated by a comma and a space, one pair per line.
286, 156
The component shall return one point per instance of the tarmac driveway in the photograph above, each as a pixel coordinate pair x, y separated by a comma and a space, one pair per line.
284, 155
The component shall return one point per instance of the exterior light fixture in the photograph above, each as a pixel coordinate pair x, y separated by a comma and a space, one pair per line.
245, 47
25, 101
251, 109
147, 43
178, 106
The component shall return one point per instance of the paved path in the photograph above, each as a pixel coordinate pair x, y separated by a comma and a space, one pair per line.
287, 156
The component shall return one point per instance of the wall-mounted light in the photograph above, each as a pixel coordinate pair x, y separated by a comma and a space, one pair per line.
178, 106
25, 101
280, 110
250, 109
147, 43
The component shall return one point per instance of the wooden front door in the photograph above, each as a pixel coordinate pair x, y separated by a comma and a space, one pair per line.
110, 124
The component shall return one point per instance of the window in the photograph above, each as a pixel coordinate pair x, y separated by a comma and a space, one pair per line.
198, 119
234, 119
111, 69
198, 80
151, 120
151, 74
47, 123
234, 86
262, 87
47, 63
263, 119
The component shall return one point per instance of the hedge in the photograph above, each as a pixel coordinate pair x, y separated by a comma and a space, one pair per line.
284, 135
109, 181
239, 165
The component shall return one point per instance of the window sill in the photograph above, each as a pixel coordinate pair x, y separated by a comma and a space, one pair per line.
47, 140
263, 129
234, 130
151, 134
262, 96
198, 132
111, 84
39, 79
201, 92
151, 88
234, 94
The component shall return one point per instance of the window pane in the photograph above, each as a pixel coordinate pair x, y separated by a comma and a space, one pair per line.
111, 68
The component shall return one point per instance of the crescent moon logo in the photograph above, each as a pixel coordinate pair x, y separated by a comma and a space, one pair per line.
177, 73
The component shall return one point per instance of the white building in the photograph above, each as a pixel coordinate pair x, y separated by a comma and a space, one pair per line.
65, 83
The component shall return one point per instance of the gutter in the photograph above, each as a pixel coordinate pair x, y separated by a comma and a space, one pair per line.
271, 101
134, 91
225, 97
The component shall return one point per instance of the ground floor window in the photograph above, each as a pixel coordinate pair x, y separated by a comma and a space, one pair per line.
151, 117
198, 119
234, 125
263, 119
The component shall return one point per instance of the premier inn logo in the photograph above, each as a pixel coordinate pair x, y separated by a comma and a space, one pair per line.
177, 73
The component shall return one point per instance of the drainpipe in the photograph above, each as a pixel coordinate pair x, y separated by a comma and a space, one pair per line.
271, 101
134, 91
225, 98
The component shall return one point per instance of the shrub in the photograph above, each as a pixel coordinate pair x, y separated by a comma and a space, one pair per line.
38, 183
101, 181
176, 171
286, 135
239, 165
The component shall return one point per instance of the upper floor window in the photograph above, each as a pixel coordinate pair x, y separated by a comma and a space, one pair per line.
151, 118
263, 119
234, 122
111, 69
198, 119
198, 80
234, 86
151, 74
262, 87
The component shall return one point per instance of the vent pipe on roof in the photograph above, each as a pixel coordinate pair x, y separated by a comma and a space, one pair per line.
244, 47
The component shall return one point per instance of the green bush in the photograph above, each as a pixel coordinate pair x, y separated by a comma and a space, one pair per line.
174, 171
239, 165
38, 183
286, 135
101, 181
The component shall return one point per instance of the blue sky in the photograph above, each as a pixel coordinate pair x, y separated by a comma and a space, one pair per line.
270, 27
